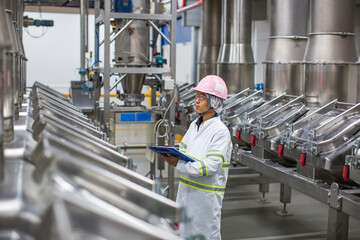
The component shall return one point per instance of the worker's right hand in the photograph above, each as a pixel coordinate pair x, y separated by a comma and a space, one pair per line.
170, 159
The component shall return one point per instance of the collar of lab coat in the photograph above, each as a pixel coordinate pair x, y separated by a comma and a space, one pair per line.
209, 121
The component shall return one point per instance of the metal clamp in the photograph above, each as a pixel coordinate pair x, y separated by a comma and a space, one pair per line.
258, 130
286, 140
352, 160
335, 201
308, 147
244, 121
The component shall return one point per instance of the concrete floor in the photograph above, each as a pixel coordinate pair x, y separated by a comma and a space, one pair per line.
244, 218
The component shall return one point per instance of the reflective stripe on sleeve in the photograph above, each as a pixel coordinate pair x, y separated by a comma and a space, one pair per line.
183, 145
203, 167
202, 186
225, 165
218, 155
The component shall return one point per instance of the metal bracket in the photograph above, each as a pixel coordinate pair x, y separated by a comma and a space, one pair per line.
258, 130
286, 140
307, 147
245, 119
352, 160
335, 201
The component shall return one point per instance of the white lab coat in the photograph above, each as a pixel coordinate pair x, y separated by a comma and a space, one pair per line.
202, 183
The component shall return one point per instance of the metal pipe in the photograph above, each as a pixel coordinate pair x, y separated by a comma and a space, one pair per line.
330, 58
159, 31
287, 43
83, 38
189, 7
211, 37
235, 62
120, 31
5, 45
117, 82
10, 81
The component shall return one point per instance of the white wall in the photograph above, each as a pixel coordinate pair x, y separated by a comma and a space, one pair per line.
54, 59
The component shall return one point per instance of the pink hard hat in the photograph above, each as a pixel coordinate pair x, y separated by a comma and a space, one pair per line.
213, 85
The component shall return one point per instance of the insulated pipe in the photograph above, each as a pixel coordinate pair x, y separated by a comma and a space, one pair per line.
330, 57
211, 37
288, 37
235, 63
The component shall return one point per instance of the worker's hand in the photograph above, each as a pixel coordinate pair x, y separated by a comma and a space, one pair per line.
170, 159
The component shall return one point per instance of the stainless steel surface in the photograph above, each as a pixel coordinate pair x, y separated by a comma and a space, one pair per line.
332, 16
324, 82
11, 100
49, 90
211, 37
81, 98
325, 136
132, 50
6, 104
235, 63
271, 118
287, 43
289, 18
331, 42
343, 48
82, 185
83, 37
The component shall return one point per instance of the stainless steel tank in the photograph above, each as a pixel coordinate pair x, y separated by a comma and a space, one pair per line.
211, 37
235, 63
288, 36
330, 56
132, 50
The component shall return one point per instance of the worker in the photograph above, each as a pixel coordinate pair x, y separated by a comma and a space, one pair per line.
207, 141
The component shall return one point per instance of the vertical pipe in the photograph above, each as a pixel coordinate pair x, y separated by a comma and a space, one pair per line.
288, 37
171, 171
330, 55
97, 90
83, 34
211, 37
10, 81
235, 63
107, 66
195, 52
5, 45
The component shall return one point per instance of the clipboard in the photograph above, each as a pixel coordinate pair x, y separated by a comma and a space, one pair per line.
171, 150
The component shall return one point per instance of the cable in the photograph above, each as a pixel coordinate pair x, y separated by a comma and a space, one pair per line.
164, 122
135, 39
43, 30
85, 88
98, 47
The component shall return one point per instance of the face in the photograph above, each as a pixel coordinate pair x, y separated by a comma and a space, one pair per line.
201, 103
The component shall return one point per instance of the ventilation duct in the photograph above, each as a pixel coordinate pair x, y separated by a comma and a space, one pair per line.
211, 37
287, 43
235, 62
330, 56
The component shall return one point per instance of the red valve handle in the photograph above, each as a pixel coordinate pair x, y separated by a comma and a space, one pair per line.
238, 135
303, 159
346, 173
253, 143
281, 150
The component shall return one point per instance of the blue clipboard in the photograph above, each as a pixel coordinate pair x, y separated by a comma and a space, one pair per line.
171, 150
